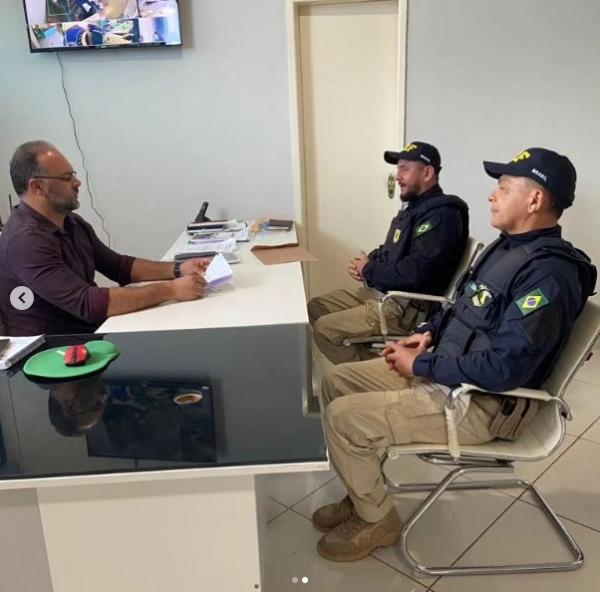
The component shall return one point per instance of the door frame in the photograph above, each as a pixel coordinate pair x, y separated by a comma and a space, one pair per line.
295, 91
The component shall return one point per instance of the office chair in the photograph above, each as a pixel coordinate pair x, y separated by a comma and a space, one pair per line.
537, 441
472, 249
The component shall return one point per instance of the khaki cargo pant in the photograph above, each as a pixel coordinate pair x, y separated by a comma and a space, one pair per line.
367, 407
343, 314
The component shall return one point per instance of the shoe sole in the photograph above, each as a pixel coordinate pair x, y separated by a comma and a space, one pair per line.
386, 542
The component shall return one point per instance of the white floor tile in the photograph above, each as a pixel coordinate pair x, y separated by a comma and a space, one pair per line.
584, 400
572, 485
590, 372
272, 509
334, 491
523, 535
290, 488
290, 552
451, 525
593, 433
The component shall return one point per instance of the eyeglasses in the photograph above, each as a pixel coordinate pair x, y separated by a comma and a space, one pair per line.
67, 177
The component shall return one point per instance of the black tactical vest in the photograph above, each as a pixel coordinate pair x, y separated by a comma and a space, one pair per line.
470, 324
407, 220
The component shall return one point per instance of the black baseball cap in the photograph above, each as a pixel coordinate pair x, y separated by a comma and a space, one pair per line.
418, 151
551, 170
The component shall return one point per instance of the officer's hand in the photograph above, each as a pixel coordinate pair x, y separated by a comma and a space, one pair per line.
354, 273
359, 262
390, 347
418, 340
401, 358
188, 287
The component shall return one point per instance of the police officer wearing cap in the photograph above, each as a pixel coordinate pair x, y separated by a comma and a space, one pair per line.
421, 251
514, 313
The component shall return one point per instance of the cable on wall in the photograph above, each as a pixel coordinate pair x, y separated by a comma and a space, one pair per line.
83, 158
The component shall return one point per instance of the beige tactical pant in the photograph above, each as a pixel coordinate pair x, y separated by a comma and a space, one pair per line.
367, 407
343, 314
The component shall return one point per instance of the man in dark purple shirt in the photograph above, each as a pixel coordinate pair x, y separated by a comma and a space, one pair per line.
54, 253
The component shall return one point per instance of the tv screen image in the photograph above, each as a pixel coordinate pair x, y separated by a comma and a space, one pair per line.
99, 24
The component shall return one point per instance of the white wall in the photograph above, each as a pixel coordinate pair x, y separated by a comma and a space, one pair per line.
488, 78
162, 129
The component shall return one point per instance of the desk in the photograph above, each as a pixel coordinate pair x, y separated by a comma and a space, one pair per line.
110, 521
258, 295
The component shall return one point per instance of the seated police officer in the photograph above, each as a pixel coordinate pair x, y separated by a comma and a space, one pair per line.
49, 256
423, 247
514, 313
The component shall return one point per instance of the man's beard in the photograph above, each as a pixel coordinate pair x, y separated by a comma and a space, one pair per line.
409, 196
63, 206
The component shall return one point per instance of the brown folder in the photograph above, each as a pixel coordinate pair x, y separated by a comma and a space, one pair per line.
286, 253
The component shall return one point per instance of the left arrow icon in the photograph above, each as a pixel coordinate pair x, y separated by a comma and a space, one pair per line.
21, 298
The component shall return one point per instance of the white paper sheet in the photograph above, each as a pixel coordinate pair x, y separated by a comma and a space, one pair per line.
218, 272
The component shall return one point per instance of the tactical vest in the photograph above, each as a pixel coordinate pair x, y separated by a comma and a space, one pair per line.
407, 221
470, 324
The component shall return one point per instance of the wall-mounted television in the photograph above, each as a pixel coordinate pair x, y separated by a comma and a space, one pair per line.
56, 25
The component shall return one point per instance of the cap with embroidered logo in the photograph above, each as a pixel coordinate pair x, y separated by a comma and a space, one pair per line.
551, 170
416, 151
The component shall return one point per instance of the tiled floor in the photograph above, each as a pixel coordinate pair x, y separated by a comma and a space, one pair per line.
465, 528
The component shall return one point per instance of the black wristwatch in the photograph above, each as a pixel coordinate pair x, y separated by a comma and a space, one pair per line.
177, 269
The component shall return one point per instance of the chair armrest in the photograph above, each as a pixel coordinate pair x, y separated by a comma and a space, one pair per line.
523, 393
416, 296
410, 295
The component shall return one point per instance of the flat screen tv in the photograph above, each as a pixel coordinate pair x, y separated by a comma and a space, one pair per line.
56, 25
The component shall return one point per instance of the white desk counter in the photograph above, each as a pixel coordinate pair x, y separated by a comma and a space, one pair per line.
149, 526
258, 295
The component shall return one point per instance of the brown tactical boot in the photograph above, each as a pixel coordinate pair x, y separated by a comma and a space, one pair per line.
328, 517
355, 538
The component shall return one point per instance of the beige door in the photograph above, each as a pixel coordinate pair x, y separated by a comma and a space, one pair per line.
348, 94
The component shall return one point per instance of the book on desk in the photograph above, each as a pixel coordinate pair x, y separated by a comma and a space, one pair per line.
16, 348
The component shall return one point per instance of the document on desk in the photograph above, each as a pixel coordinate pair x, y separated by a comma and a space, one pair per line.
210, 236
284, 253
219, 272
218, 246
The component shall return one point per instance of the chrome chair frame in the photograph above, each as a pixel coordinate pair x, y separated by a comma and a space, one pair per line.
538, 441
472, 250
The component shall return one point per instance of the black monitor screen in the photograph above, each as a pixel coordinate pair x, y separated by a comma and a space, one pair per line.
100, 24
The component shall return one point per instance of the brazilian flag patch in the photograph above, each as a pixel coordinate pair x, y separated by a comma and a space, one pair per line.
531, 302
423, 228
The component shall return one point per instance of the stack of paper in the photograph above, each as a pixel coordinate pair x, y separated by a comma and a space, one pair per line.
219, 246
18, 348
207, 236
218, 272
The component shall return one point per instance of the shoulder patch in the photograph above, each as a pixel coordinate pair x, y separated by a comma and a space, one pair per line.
423, 228
531, 302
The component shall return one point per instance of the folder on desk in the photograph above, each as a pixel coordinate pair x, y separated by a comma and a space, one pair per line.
286, 253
